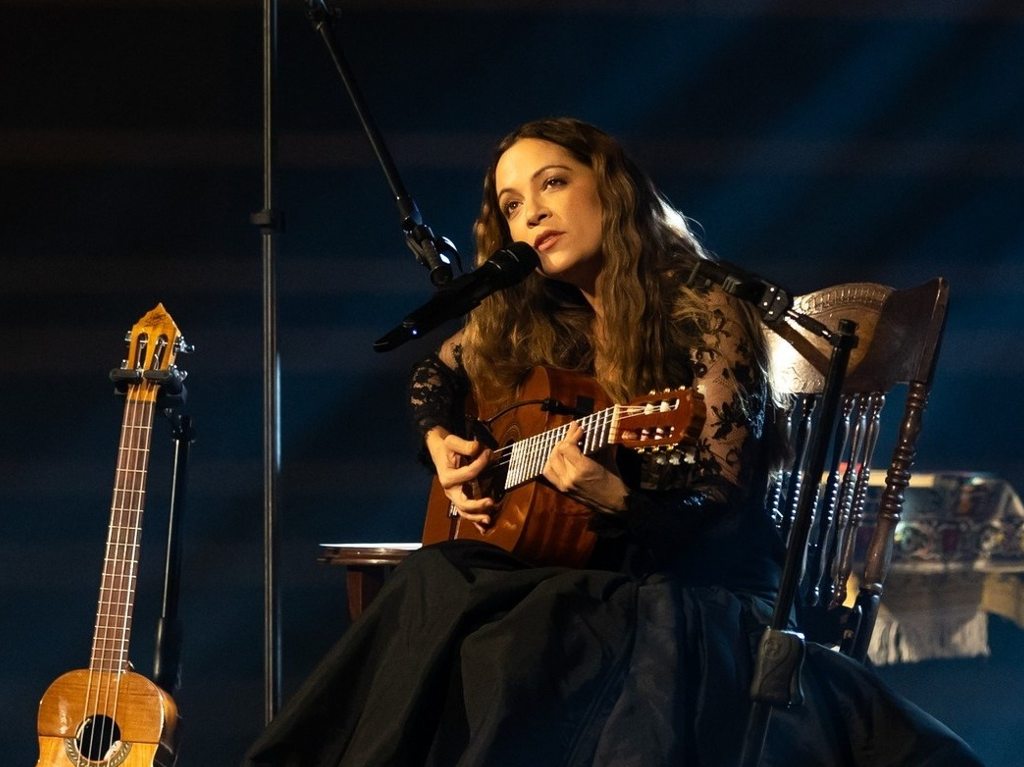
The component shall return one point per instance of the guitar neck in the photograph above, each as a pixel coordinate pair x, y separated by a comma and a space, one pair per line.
529, 455
121, 559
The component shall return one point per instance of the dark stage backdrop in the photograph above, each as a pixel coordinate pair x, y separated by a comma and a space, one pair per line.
813, 142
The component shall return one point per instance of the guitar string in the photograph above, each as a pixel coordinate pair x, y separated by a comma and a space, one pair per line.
122, 550
96, 670
116, 569
541, 445
538, 445
94, 664
142, 432
556, 434
116, 575
139, 457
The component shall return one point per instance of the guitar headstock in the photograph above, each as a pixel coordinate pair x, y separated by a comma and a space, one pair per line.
154, 343
661, 421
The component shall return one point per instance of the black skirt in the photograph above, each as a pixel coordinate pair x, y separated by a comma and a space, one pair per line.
467, 657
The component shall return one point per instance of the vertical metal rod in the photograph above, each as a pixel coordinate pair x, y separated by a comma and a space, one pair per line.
271, 379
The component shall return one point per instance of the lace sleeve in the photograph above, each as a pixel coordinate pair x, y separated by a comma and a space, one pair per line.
671, 504
726, 372
437, 389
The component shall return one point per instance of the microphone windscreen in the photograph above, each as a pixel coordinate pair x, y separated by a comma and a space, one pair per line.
512, 264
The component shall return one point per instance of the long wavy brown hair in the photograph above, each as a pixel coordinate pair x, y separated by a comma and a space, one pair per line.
650, 318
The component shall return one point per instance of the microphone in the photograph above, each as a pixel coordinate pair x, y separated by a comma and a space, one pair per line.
505, 268
771, 300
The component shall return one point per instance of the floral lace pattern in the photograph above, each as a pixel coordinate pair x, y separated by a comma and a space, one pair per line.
725, 373
437, 389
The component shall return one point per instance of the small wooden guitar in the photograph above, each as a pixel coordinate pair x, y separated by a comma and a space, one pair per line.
532, 519
107, 715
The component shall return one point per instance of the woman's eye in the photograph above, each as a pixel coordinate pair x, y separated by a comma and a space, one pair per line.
509, 208
553, 181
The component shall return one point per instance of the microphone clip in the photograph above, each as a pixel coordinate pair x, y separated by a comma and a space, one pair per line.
435, 253
771, 300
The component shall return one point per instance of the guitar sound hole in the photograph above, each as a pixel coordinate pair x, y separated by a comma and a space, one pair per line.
491, 483
97, 735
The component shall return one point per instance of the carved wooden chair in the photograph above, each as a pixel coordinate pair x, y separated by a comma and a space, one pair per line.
899, 334
822, 516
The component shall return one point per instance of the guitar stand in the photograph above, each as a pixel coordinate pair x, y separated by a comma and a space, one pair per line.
167, 657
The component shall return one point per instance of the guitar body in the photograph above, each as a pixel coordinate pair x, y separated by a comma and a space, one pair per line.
533, 521
106, 719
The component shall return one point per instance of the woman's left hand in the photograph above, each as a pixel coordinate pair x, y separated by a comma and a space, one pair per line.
582, 478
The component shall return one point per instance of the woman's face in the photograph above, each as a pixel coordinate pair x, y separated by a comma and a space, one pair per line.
550, 201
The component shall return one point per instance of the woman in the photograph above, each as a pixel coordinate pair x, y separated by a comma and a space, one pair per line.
472, 657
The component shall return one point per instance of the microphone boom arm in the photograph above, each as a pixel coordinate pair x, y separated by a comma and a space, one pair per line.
435, 253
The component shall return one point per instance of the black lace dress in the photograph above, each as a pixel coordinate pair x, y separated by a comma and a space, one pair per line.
470, 657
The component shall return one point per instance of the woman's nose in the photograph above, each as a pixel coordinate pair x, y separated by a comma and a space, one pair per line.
538, 215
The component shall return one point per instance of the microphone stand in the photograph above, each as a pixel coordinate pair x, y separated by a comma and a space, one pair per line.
435, 253
270, 221
780, 652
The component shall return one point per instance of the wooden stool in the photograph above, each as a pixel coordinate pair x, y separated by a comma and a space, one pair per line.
369, 564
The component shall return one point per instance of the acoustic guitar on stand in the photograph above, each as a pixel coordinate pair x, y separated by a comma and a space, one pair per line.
107, 715
532, 519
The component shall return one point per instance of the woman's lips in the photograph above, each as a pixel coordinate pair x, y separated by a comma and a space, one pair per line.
546, 241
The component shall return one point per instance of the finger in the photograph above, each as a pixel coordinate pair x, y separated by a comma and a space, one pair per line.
569, 446
574, 435
477, 514
476, 519
463, 503
459, 475
462, 446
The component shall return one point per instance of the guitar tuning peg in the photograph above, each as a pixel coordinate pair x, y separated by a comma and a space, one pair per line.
182, 347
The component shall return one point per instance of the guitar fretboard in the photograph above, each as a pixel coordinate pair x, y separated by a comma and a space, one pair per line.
529, 455
121, 559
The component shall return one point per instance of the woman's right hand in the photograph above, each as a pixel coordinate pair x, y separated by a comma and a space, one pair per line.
457, 462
